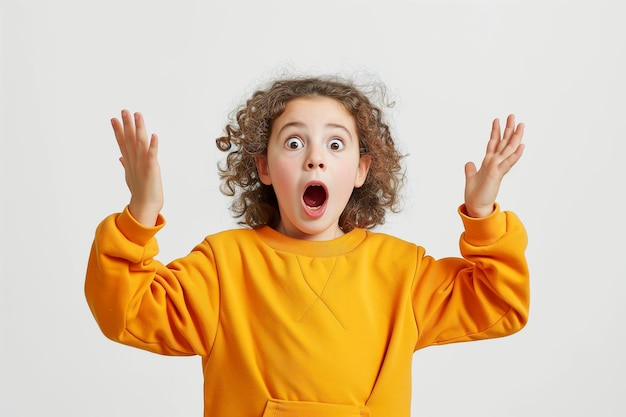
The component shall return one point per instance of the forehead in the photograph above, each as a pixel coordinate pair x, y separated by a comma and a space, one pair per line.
316, 109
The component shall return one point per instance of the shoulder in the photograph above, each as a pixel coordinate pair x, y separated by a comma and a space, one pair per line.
385, 238
389, 245
232, 236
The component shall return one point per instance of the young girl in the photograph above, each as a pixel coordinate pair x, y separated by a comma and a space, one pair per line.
305, 312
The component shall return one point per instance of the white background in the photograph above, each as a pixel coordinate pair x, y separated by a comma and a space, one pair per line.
68, 66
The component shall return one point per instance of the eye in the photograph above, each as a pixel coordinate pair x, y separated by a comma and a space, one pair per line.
294, 142
336, 144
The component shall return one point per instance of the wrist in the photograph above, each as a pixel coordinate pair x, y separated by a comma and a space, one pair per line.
479, 212
485, 230
144, 214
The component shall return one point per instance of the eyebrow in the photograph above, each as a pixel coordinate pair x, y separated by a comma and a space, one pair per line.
300, 124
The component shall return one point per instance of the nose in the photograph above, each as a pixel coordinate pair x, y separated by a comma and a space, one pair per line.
312, 165
315, 159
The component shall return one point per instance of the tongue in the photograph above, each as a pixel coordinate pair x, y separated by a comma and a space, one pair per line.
314, 196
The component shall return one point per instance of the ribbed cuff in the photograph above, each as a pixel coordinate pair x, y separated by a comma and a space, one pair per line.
485, 230
135, 231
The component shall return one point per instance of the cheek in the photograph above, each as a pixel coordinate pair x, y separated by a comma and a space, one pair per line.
283, 177
347, 174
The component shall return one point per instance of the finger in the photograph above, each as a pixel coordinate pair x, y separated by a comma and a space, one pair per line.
514, 141
512, 159
510, 121
118, 130
129, 135
518, 134
494, 138
470, 170
141, 136
508, 132
154, 146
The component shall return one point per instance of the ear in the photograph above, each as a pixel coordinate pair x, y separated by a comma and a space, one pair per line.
364, 166
262, 169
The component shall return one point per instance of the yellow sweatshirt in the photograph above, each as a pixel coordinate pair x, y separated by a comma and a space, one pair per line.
298, 328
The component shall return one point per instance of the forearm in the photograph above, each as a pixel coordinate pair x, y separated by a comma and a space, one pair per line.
118, 271
137, 300
485, 294
498, 255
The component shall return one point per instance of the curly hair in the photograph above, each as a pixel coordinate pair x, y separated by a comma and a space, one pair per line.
248, 133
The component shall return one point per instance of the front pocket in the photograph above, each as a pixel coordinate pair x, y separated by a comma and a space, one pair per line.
282, 408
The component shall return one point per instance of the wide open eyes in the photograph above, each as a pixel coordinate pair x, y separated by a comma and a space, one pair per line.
335, 144
294, 142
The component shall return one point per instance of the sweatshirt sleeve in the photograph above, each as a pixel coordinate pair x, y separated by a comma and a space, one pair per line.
138, 301
484, 294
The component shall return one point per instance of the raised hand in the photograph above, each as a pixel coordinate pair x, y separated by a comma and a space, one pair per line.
503, 151
142, 171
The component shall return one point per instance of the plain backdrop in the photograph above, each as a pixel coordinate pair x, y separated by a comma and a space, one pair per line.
68, 66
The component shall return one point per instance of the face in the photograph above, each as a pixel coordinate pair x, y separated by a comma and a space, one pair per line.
313, 163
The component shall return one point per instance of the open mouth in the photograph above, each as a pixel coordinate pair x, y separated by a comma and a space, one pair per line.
314, 197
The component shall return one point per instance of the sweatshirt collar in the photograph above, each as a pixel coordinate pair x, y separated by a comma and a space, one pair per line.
327, 248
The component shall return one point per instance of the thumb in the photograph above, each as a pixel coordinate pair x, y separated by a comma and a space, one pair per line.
470, 170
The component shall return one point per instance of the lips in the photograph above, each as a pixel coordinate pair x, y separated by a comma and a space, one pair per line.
314, 199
